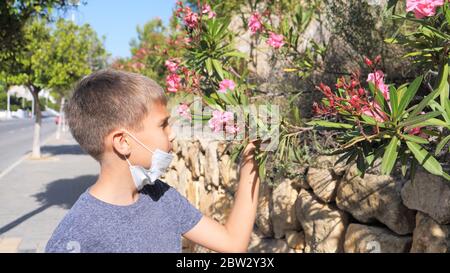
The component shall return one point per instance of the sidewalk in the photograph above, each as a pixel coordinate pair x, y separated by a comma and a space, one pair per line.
36, 194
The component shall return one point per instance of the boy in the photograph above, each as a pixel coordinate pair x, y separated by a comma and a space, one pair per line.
121, 120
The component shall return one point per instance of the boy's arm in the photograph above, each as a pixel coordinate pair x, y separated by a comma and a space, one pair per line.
234, 236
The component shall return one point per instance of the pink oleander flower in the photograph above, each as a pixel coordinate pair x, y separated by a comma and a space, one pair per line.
184, 111
138, 66
219, 120
354, 101
226, 85
275, 40
414, 131
207, 10
232, 129
417, 131
374, 112
377, 78
141, 53
171, 65
423, 8
173, 82
368, 61
190, 18
254, 24
187, 40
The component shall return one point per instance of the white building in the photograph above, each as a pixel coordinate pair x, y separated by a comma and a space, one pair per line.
23, 92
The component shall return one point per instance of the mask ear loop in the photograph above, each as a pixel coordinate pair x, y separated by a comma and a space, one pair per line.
128, 161
126, 158
138, 141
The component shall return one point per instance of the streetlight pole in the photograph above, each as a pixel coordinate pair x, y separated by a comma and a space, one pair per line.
8, 106
74, 3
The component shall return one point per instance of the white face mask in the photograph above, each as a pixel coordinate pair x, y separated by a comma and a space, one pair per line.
160, 163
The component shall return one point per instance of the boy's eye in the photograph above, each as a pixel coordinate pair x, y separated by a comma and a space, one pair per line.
166, 122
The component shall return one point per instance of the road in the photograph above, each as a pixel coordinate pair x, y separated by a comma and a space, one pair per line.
16, 138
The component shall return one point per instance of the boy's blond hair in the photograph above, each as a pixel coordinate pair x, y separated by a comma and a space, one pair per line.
106, 100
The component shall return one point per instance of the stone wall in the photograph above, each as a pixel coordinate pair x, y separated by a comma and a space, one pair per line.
325, 209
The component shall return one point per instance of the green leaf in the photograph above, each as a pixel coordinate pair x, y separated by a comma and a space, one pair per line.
401, 90
235, 152
236, 54
296, 114
423, 103
444, 93
218, 68
329, 124
361, 163
430, 122
262, 168
443, 85
409, 94
212, 102
419, 118
430, 132
416, 139
446, 176
209, 68
344, 157
447, 16
390, 156
447, 108
369, 120
437, 107
425, 158
393, 101
441, 144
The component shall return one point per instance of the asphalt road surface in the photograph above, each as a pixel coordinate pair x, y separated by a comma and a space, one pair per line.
16, 138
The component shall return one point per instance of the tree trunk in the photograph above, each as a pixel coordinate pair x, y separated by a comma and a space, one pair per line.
36, 150
61, 113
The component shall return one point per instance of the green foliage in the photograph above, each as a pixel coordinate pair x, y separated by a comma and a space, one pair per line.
365, 139
428, 37
73, 52
14, 15
56, 58
154, 44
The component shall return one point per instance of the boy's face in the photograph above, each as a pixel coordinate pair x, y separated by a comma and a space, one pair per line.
155, 134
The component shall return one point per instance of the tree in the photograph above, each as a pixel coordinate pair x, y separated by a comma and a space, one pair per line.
54, 59
153, 45
25, 70
14, 14
74, 52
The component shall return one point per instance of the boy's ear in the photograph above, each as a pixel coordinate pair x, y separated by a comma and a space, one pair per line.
120, 142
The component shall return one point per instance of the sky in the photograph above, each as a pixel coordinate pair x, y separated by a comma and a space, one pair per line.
117, 19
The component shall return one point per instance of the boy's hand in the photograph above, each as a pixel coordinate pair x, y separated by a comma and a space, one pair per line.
249, 150
251, 147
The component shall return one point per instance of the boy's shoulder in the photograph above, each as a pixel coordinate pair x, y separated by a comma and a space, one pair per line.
183, 214
74, 228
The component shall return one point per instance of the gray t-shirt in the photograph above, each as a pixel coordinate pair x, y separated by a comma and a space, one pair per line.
154, 223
